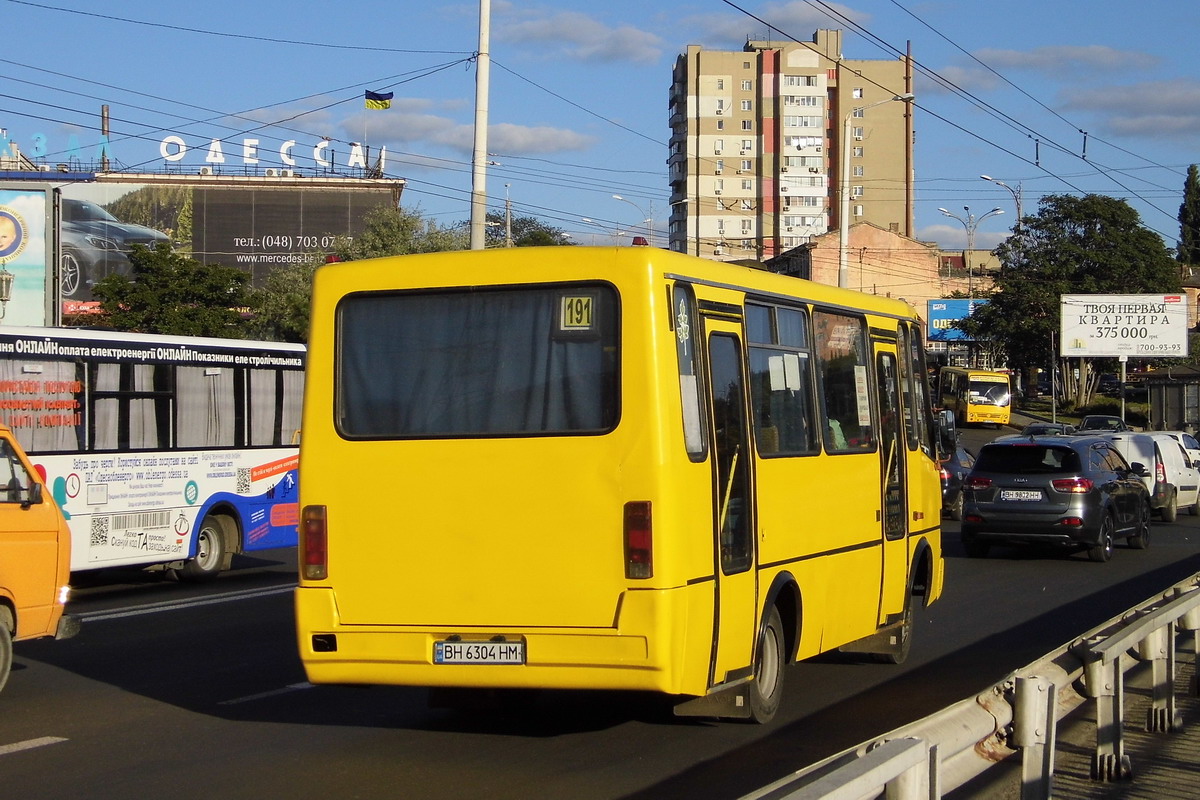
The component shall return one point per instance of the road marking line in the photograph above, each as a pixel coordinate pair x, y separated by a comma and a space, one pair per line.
172, 605
273, 693
29, 744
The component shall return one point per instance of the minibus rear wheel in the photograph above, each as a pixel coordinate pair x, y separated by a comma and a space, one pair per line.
766, 690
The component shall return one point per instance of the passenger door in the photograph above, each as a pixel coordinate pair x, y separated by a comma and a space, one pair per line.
734, 521
893, 461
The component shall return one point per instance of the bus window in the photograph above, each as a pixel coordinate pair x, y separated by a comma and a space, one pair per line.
918, 377
780, 380
489, 363
204, 409
684, 324
130, 411
842, 366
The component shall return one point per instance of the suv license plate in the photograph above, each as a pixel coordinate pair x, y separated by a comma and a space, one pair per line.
479, 652
1020, 494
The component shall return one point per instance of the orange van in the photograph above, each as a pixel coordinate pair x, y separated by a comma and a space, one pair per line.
35, 556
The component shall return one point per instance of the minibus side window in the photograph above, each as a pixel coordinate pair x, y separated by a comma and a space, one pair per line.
842, 368
684, 323
781, 380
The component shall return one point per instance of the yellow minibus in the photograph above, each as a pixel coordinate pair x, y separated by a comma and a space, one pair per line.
609, 468
975, 395
35, 555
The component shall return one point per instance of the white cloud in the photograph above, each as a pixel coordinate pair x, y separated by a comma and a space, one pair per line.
969, 79
579, 36
795, 20
1064, 60
1156, 109
407, 131
954, 237
519, 139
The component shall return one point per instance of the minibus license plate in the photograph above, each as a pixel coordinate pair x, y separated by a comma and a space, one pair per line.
479, 652
1020, 494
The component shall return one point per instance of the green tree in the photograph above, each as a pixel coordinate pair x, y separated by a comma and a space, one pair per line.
526, 232
1189, 220
1074, 245
281, 307
394, 232
170, 293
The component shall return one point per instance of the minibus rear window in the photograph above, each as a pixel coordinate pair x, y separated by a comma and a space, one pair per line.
496, 362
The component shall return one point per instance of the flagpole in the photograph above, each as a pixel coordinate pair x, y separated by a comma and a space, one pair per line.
479, 156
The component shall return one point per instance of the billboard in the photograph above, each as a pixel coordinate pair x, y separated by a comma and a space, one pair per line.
24, 222
1140, 325
942, 314
252, 225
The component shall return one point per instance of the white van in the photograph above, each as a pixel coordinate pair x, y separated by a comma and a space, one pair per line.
1172, 480
1190, 444
1182, 469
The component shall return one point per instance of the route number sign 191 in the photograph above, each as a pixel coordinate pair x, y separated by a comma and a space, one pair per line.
1138, 325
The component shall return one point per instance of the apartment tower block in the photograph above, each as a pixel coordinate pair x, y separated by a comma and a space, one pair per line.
757, 157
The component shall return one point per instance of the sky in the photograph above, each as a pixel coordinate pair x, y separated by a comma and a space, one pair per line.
1065, 96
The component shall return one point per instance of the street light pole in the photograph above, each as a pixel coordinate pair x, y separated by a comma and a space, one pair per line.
649, 218
1016, 194
971, 223
844, 213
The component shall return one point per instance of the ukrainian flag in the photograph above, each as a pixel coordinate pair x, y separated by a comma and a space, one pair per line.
379, 100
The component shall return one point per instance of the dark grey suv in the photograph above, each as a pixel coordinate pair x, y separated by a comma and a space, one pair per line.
1076, 491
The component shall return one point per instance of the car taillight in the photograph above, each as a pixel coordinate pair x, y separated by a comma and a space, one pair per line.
315, 543
945, 474
639, 540
1072, 485
1160, 472
978, 483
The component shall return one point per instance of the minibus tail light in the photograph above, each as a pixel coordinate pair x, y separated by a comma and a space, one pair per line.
639, 540
315, 542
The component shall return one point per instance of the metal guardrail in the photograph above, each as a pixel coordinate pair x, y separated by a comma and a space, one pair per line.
1020, 714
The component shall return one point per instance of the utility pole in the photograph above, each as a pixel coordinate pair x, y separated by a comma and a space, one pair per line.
479, 154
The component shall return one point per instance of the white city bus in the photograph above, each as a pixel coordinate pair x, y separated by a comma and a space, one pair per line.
166, 451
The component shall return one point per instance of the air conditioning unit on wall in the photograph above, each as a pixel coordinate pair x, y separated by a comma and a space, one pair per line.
206, 170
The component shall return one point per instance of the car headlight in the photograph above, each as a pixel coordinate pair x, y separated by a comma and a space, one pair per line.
100, 243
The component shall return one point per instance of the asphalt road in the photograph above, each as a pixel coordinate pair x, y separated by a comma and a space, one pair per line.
185, 691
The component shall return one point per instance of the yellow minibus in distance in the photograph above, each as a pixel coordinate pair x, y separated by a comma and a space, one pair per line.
975, 395
35, 555
609, 468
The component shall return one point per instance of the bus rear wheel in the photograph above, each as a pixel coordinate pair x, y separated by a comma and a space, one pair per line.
210, 551
766, 690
